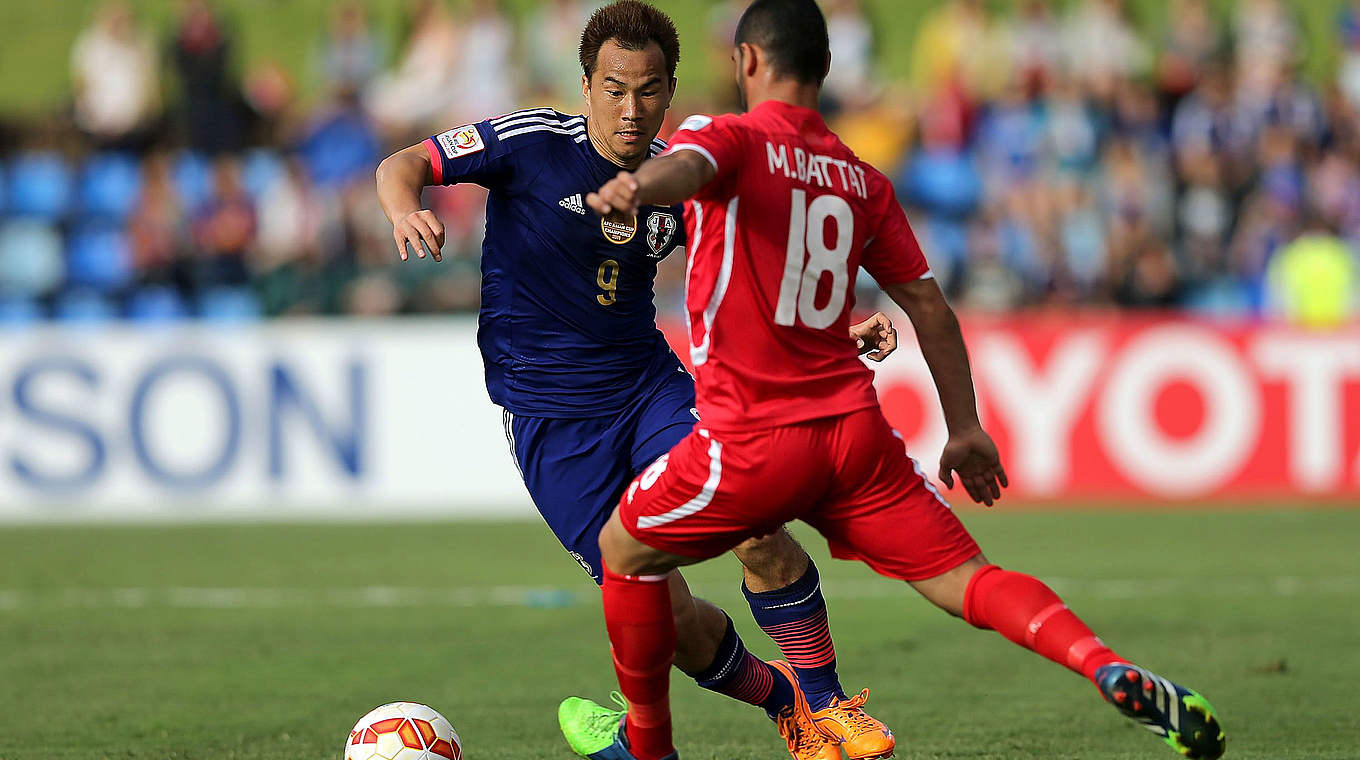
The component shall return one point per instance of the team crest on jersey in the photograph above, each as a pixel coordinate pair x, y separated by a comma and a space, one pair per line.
618, 228
461, 141
661, 227
695, 123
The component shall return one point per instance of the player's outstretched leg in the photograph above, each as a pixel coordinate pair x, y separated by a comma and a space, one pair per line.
1026, 611
787, 604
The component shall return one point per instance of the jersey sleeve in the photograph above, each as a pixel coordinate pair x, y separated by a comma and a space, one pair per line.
893, 254
470, 153
719, 140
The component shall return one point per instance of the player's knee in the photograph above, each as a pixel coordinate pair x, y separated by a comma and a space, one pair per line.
625, 555
949, 590
777, 559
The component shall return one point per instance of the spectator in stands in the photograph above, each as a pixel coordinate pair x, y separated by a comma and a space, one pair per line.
211, 113
224, 230
1348, 70
350, 55
1190, 40
486, 65
340, 145
115, 77
1266, 41
421, 87
157, 227
553, 36
850, 83
1034, 44
1101, 46
290, 249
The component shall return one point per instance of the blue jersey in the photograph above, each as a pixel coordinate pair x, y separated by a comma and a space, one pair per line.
567, 326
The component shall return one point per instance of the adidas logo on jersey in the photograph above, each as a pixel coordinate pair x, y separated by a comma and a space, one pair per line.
573, 203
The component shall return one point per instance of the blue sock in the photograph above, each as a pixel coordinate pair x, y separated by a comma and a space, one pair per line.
795, 617
740, 675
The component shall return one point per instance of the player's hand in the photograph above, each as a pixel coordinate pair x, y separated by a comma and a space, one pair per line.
416, 228
618, 194
973, 455
875, 336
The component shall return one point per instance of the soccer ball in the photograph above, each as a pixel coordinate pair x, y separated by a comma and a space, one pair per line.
403, 731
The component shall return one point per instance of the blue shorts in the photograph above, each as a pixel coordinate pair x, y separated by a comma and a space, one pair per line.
576, 469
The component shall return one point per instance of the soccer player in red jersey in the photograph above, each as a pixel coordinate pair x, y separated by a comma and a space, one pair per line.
780, 217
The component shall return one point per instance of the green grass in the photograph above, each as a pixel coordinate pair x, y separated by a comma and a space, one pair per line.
269, 641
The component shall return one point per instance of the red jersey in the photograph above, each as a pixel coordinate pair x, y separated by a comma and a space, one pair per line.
775, 242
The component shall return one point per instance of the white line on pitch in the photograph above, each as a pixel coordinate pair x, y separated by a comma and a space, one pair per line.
194, 597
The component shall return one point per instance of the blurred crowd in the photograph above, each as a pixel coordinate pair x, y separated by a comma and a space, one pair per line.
1048, 154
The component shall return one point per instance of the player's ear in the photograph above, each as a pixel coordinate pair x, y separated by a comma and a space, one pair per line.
585, 87
747, 59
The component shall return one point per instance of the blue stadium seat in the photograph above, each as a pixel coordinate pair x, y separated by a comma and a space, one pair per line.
84, 306
260, 169
155, 304
30, 258
192, 176
229, 305
18, 311
99, 257
4, 190
109, 186
39, 186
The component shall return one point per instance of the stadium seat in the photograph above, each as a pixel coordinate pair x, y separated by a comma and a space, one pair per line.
229, 305
99, 257
109, 186
30, 258
156, 304
1220, 297
39, 186
84, 306
4, 191
192, 175
18, 311
260, 169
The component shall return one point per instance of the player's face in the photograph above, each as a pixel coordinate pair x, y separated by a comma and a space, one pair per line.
626, 101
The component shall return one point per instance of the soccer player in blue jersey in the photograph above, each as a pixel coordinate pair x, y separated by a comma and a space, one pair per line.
591, 390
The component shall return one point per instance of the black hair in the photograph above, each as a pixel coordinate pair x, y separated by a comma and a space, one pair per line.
793, 35
633, 25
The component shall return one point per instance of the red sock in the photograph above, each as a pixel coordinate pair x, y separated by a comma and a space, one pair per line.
637, 613
1024, 610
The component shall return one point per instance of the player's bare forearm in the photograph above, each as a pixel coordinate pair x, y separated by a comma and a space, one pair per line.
937, 330
400, 178
663, 181
970, 452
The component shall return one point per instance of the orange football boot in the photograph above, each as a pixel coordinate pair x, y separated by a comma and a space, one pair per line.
795, 724
861, 735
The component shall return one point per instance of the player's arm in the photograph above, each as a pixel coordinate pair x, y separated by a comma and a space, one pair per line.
662, 181
401, 176
970, 452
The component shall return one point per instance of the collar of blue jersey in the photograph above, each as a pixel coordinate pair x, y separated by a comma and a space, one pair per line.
595, 152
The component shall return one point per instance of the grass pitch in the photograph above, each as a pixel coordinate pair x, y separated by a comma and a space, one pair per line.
268, 642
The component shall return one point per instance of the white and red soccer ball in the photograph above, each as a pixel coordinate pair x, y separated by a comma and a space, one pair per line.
403, 731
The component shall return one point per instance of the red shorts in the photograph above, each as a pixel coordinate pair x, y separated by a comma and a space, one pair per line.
848, 476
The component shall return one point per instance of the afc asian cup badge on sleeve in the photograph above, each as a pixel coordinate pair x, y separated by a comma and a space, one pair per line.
661, 227
618, 228
461, 141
